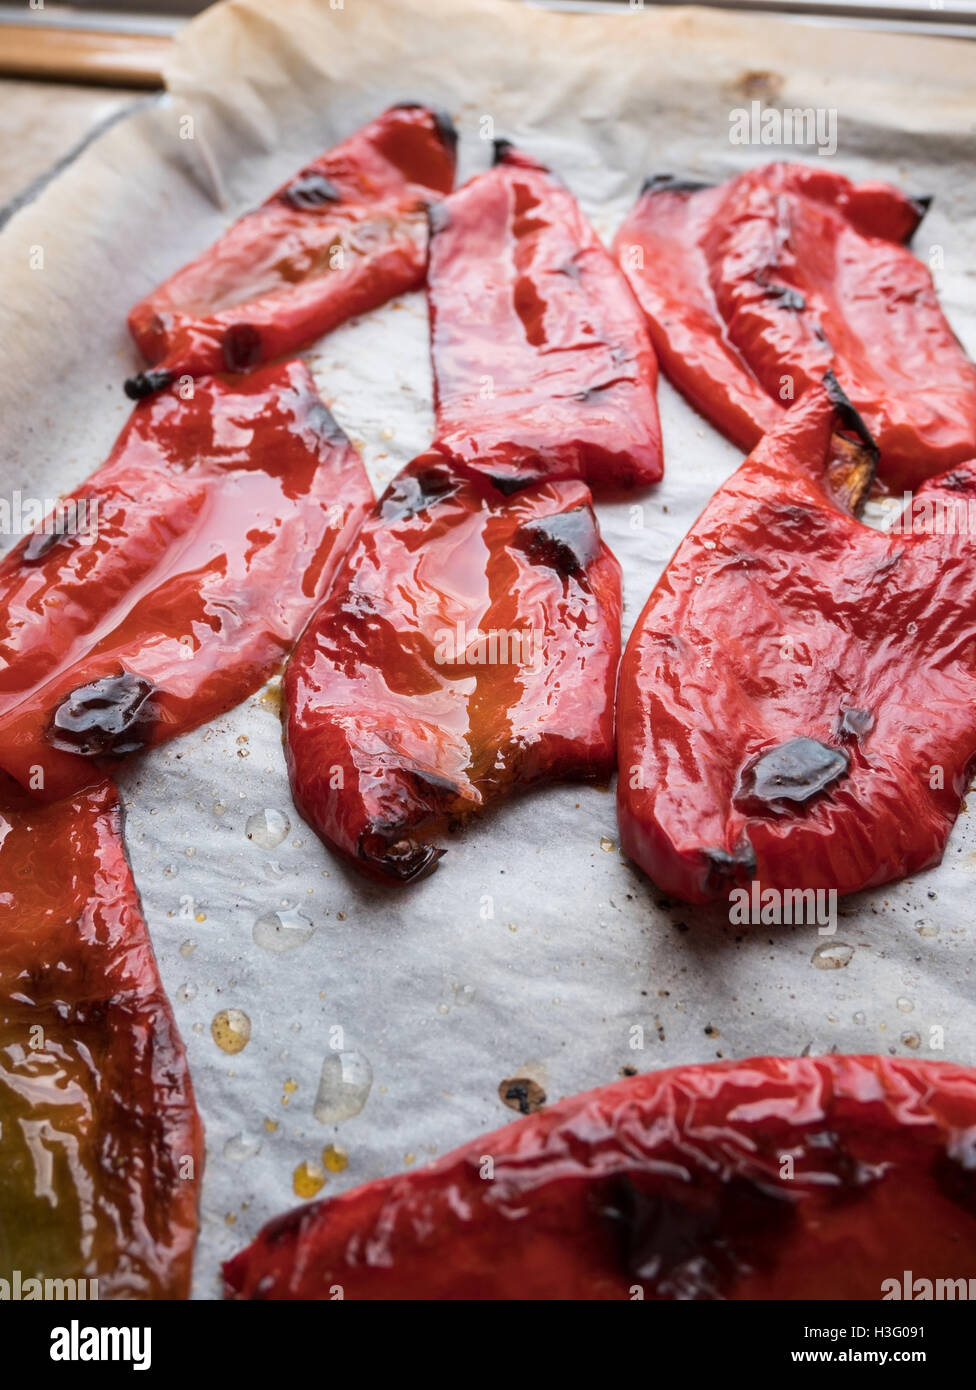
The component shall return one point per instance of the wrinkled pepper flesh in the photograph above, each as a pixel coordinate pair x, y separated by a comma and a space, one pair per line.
468, 646
775, 1178
755, 288
796, 701
101, 1148
344, 235
543, 368
209, 536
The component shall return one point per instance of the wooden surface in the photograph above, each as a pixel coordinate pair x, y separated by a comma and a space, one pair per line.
79, 55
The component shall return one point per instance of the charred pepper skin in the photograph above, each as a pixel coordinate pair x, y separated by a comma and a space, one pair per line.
274, 283
221, 519
101, 1147
672, 1183
754, 288
795, 681
543, 368
400, 715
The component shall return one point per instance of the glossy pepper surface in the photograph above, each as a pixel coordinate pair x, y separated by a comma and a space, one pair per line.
101, 1148
542, 363
775, 1178
753, 289
796, 701
468, 646
344, 235
211, 532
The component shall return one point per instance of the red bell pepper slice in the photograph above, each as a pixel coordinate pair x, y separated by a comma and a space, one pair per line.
468, 646
775, 1178
343, 236
220, 521
542, 363
753, 289
796, 699
101, 1147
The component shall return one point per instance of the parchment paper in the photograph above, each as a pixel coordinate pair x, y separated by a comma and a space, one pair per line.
535, 950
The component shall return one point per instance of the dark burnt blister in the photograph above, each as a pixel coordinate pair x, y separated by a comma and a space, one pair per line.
311, 191
147, 384
241, 347
849, 417
411, 493
39, 544
319, 419
786, 297
921, 202
406, 860
792, 774
727, 867
854, 723
696, 1245
672, 183
106, 719
568, 542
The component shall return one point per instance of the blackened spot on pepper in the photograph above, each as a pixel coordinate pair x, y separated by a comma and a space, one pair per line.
792, 773
510, 483
146, 383
728, 866
320, 420
443, 123
921, 203
787, 297
108, 718
411, 493
501, 149
854, 723
848, 416
39, 544
567, 542
696, 1244
241, 347
523, 1094
671, 183
405, 860
310, 191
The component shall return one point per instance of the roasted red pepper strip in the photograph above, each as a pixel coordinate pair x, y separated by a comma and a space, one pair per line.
469, 645
542, 363
796, 701
776, 1178
101, 1148
343, 236
753, 289
220, 521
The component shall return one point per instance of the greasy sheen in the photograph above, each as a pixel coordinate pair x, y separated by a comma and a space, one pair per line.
344, 235
542, 363
220, 520
468, 646
101, 1148
796, 701
754, 288
674, 1185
